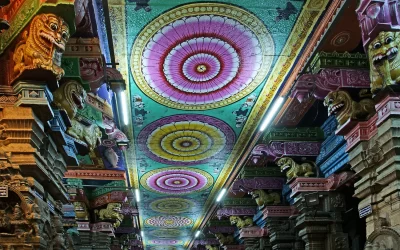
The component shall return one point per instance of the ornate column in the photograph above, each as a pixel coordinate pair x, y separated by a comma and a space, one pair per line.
319, 222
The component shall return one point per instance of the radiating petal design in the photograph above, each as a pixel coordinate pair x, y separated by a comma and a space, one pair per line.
176, 180
186, 139
168, 221
202, 58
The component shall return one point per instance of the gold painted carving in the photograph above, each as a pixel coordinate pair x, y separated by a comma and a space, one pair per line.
384, 60
81, 212
42, 45
91, 135
293, 169
262, 198
341, 105
225, 240
241, 223
112, 212
70, 96
209, 247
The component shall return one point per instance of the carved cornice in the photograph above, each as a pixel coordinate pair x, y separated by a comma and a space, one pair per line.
278, 211
249, 172
96, 174
105, 227
276, 150
252, 232
363, 131
221, 229
238, 202
245, 185
303, 184
293, 134
331, 60
228, 211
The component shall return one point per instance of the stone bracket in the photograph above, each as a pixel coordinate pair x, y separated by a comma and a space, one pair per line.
228, 211
278, 211
252, 232
245, 185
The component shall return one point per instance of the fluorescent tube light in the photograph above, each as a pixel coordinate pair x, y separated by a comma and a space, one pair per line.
221, 194
124, 107
137, 195
142, 233
272, 112
197, 234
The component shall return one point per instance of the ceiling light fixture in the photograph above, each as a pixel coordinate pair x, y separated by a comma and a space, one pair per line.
221, 194
124, 107
272, 112
197, 234
137, 195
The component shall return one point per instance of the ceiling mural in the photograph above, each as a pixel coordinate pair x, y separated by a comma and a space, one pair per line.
196, 70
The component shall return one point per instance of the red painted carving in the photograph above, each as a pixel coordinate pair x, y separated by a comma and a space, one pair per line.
278, 211
304, 184
275, 150
115, 196
96, 174
376, 16
363, 131
294, 112
390, 105
8, 12
252, 232
329, 80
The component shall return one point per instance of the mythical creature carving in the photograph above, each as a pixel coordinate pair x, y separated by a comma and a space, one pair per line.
225, 240
91, 135
384, 60
42, 45
341, 105
293, 169
209, 247
112, 212
70, 96
241, 223
81, 212
262, 198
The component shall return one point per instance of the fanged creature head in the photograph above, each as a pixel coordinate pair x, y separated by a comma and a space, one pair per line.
285, 163
53, 34
339, 104
70, 96
233, 219
383, 48
255, 194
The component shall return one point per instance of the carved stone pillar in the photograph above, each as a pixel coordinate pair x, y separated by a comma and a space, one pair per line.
319, 222
374, 158
254, 238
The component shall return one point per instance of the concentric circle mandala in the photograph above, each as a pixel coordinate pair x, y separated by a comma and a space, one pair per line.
166, 242
167, 233
172, 205
202, 56
168, 221
186, 139
176, 180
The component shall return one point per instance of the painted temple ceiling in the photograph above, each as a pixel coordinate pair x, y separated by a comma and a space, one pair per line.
201, 76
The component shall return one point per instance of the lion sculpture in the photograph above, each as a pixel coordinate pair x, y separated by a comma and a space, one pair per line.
341, 105
70, 97
384, 60
241, 223
91, 135
112, 212
225, 240
42, 45
262, 198
293, 169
